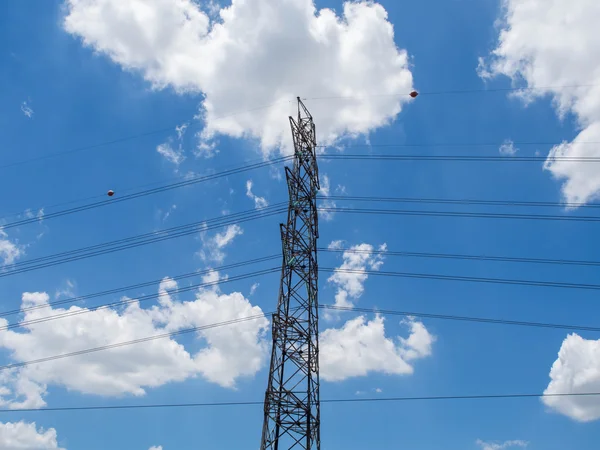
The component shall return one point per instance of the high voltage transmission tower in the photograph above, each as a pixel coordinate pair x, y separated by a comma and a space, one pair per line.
292, 410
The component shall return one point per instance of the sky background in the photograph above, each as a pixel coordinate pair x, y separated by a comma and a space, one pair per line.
79, 73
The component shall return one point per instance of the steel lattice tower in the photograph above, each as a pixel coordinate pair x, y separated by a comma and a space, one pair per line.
292, 410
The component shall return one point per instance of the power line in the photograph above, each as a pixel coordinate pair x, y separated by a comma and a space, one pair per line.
273, 270
329, 401
140, 285
461, 214
465, 257
464, 158
128, 138
432, 276
187, 182
135, 341
457, 144
140, 240
144, 298
332, 307
387, 312
459, 201
451, 92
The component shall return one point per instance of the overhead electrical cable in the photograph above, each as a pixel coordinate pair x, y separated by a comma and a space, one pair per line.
186, 182
462, 158
486, 320
433, 276
135, 341
464, 256
480, 215
140, 240
130, 137
325, 401
453, 201
254, 317
454, 144
451, 92
143, 298
138, 286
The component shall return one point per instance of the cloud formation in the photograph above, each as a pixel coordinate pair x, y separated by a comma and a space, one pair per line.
9, 251
360, 347
501, 445
259, 202
225, 354
316, 53
359, 258
26, 436
560, 58
575, 371
213, 247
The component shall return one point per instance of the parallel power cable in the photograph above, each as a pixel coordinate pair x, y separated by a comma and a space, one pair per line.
186, 182
130, 137
432, 276
135, 341
464, 256
274, 270
234, 321
486, 320
455, 144
71, 300
454, 201
144, 298
461, 158
451, 92
324, 401
140, 240
479, 215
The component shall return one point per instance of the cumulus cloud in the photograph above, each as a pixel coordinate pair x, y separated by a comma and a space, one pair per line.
576, 370
560, 58
350, 285
259, 202
26, 436
501, 445
508, 148
10, 251
225, 354
212, 248
361, 347
283, 48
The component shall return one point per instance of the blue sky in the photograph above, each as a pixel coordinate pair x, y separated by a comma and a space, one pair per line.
74, 76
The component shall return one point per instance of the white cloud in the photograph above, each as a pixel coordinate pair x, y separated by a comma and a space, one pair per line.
212, 248
576, 370
22, 435
26, 109
172, 155
508, 148
156, 448
326, 203
9, 251
253, 288
350, 285
225, 354
259, 202
550, 45
175, 43
361, 347
501, 445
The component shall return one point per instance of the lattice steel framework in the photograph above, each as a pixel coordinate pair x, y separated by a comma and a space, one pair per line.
292, 411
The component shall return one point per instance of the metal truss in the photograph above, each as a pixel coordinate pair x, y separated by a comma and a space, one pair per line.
292, 410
